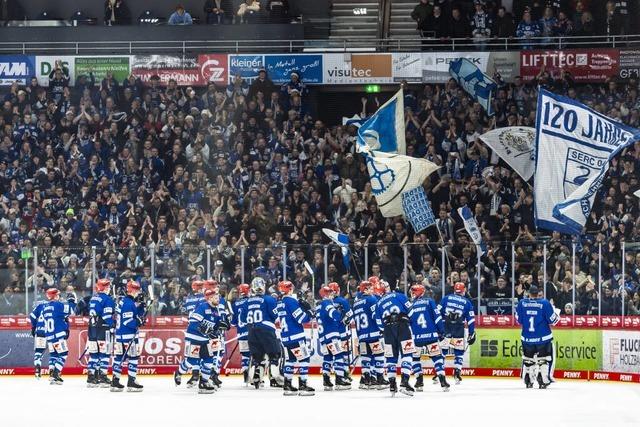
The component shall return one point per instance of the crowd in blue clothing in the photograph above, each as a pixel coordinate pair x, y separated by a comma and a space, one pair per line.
171, 184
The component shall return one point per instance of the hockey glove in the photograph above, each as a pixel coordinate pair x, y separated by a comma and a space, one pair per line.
71, 298
224, 325
471, 339
140, 299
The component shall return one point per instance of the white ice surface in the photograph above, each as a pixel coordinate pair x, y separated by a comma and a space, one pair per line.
26, 402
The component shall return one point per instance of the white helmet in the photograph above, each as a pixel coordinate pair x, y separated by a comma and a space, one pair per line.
258, 285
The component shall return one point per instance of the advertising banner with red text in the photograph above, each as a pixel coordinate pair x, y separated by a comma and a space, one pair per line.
187, 70
584, 65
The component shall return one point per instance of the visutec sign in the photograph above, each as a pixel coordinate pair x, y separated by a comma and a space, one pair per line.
357, 68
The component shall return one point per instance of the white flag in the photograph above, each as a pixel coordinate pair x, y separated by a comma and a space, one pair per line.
574, 147
514, 145
393, 174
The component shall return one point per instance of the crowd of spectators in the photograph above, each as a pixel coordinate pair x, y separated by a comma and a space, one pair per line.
121, 179
482, 20
117, 12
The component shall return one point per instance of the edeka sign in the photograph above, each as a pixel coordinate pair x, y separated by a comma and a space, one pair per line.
341, 68
621, 350
245, 66
584, 65
501, 348
100, 65
16, 68
280, 67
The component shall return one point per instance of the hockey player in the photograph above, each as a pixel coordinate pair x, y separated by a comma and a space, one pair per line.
202, 341
332, 347
221, 343
369, 342
456, 309
343, 306
130, 316
428, 331
392, 317
101, 322
39, 338
262, 314
55, 315
239, 320
292, 315
536, 315
193, 300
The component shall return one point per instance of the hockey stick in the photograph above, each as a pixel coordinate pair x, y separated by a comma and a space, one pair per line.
226, 374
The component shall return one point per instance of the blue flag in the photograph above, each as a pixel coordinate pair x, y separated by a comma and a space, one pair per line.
417, 209
472, 228
341, 240
477, 84
384, 130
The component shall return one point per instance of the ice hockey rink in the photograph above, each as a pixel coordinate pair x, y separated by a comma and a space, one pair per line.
26, 401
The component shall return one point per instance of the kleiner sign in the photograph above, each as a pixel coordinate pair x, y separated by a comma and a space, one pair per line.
16, 68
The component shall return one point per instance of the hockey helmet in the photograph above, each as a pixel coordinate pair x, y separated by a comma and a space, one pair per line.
102, 285
459, 288
52, 293
258, 285
210, 284
244, 289
365, 285
196, 286
133, 287
334, 287
285, 286
326, 291
417, 290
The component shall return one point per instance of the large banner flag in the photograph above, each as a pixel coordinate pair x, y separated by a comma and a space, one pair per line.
391, 175
471, 225
384, 130
514, 145
574, 146
477, 84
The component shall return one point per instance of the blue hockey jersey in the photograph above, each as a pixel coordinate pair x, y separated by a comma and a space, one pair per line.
364, 309
292, 318
262, 311
37, 320
130, 318
329, 321
191, 301
56, 319
455, 310
391, 303
239, 316
426, 321
344, 307
536, 317
102, 309
203, 314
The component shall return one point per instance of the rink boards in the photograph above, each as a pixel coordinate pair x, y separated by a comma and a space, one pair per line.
580, 353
